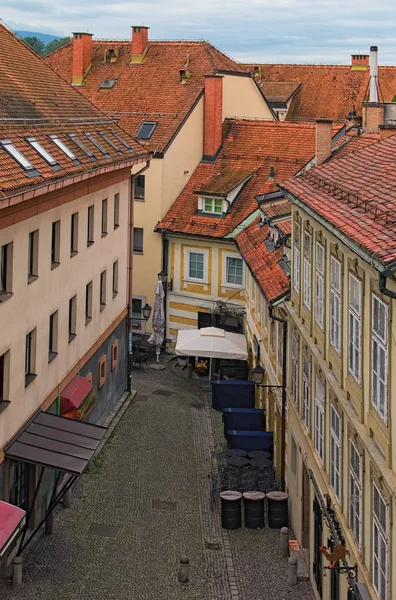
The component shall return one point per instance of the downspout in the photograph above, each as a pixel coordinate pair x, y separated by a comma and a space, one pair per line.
284, 383
165, 256
130, 275
382, 284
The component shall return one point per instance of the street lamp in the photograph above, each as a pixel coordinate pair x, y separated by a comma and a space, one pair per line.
146, 312
258, 378
162, 276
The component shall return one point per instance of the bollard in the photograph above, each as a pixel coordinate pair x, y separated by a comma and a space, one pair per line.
189, 371
17, 571
284, 541
67, 499
292, 571
49, 524
183, 569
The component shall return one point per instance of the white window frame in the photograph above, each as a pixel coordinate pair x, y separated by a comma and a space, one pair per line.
379, 343
265, 316
319, 418
355, 495
307, 296
225, 271
354, 325
280, 345
335, 303
213, 201
319, 284
294, 366
141, 324
306, 395
380, 547
205, 253
335, 452
258, 304
296, 256
252, 290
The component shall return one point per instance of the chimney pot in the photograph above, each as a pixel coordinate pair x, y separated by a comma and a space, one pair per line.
373, 74
213, 116
82, 56
323, 140
139, 42
360, 62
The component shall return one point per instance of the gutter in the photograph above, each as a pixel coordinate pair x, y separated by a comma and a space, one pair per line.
382, 284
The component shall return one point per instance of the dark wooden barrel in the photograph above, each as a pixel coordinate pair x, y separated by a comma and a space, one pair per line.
231, 510
278, 513
254, 509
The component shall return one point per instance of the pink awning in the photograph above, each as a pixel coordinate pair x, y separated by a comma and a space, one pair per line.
11, 518
74, 394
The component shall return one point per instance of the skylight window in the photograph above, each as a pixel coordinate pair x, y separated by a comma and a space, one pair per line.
63, 147
146, 130
108, 84
82, 146
16, 155
121, 140
97, 145
110, 142
42, 151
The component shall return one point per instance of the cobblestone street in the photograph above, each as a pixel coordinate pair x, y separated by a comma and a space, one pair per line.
149, 489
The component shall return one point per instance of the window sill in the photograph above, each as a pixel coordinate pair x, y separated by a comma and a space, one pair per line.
115, 294
32, 278
116, 225
90, 242
102, 307
4, 404
54, 265
139, 199
138, 251
104, 233
73, 253
51, 356
5, 295
191, 280
29, 377
88, 320
72, 336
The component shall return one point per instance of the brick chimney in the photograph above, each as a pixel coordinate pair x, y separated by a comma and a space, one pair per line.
213, 116
373, 116
82, 56
323, 140
139, 42
360, 62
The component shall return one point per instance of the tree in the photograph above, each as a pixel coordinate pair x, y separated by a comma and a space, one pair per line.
36, 44
55, 44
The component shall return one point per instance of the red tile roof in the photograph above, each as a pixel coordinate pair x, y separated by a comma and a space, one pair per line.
248, 146
151, 90
279, 91
356, 194
263, 264
284, 227
36, 102
330, 91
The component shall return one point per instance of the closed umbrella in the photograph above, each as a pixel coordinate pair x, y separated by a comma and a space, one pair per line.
158, 320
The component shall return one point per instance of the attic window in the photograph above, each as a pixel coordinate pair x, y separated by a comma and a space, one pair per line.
108, 84
64, 148
213, 206
97, 145
146, 130
16, 155
110, 142
82, 146
122, 141
42, 151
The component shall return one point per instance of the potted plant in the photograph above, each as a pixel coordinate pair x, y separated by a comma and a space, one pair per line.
201, 367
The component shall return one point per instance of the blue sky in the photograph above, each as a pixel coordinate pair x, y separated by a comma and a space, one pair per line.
306, 31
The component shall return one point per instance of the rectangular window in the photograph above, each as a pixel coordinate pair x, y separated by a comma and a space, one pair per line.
33, 255
102, 290
307, 269
115, 278
55, 244
88, 303
335, 452
252, 290
293, 456
355, 494
6, 253
213, 205
355, 327
30, 357
234, 271
258, 304
294, 366
280, 345
296, 257
306, 399
74, 234
91, 223
72, 318
5, 377
319, 418
137, 305
53, 336
335, 303
380, 574
139, 183
379, 369
265, 316
116, 210
272, 336
104, 217
138, 240
196, 265
319, 284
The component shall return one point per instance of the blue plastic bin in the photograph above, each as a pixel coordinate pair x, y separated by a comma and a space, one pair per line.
251, 440
246, 419
233, 394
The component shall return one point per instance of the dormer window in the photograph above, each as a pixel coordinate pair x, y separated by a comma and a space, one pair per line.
16, 155
146, 130
42, 151
108, 84
64, 149
213, 206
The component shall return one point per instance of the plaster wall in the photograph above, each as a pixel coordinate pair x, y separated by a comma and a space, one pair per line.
242, 98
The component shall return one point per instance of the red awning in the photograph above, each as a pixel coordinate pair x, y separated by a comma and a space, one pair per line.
11, 518
74, 394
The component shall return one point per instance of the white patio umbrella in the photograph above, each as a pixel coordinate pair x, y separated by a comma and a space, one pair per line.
211, 342
158, 321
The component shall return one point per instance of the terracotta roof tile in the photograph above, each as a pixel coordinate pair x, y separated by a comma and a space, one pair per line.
263, 264
279, 91
284, 227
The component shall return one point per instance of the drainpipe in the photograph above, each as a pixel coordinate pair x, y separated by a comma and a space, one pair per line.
130, 275
165, 255
382, 284
284, 384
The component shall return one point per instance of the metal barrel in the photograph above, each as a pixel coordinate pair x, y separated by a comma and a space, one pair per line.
254, 509
278, 512
231, 512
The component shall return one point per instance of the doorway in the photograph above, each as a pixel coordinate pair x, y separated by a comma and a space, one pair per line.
318, 540
306, 513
